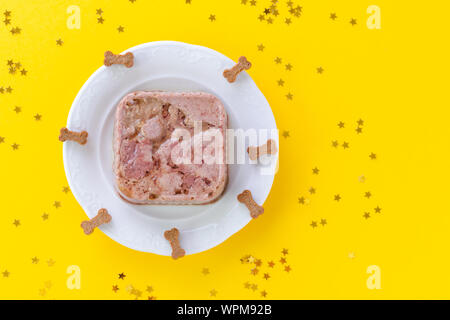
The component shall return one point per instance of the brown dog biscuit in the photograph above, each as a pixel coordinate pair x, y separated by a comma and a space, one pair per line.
67, 135
231, 74
269, 147
172, 236
126, 59
102, 217
246, 198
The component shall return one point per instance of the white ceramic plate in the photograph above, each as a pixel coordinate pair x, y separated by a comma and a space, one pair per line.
171, 66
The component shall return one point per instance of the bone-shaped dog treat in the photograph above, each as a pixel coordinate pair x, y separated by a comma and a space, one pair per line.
126, 59
80, 137
269, 147
172, 236
232, 73
246, 198
102, 217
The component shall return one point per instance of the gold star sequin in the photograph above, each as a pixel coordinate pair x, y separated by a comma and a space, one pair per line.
287, 269
151, 298
15, 30
360, 122
115, 288
377, 209
337, 197
100, 20
247, 285
358, 130
323, 222
315, 170
285, 251
341, 125
23, 72
213, 293
253, 2
283, 260
65, 189
59, 42
16, 222
368, 194
261, 47
271, 264
353, 22
278, 60
320, 70
57, 204
312, 190
333, 16
288, 21
366, 215
373, 156
6, 273
263, 294
17, 109
280, 82
9, 89
122, 276
288, 67
120, 29
266, 276
44, 216
254, 271
205, 271
286, 134
254, 287
15, 146
258, 262
301, 200
37, 117
35, 260
99, 11
212, 17
289, 96
51, 262
188, 1
334, 143
2, 139
345, 145
149, 289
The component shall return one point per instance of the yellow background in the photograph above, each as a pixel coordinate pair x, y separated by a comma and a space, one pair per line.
395, 79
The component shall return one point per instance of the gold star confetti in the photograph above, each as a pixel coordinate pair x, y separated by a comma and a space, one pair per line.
341, 125
16, 222
285, 251
212, 17
271, 264
120, 29
6, 273
353, 22
99, 11
377, 209
254, 271
253, 2
301, 200
37, 117
57, 204
288, 21
312, 190
289, 96
254, 287
48, 284
15, 30
205, 271
366, 215
368, 194
149, 289
362, 179
261, 47
283, 260
286, 134
17, 109
345, 145
278, 60
287, 269
323, 222
334, 144
315, 170
7, 13
247, 285
333, 16
266, 276
100, 20
51, 262
35, 260
23, 72
115, 288
313, 224
188, 1
320, 70
288, 67
2, 139
337, 197
373, 156
65, 189
15, 146
213, 293
358, 130
42, 292
151, 298
360, 122
280, 82
59, 42
258, 262
263, 294
44, 216
9, 89
122, 276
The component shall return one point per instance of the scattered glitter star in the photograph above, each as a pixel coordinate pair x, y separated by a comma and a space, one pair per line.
288, 67
271, 264
261, 17
212, 17
280, 82
278, 60
57, 204
333, 16
7, 13
254, 287
6, 273
120, 29
337, 197
269, 20
301, 200
377, 209
312, 190
65, 189
149, 289
266, 276
353, 22
17, 109
320, 70
315, 170
37, 117
15, 146
42, 292
341, 124
285, 251
2, 139
360, 122
261, 47
287, 269
254, 271
213, 293
286, 134
7, 21
205, 271
345, 145
44, 216
334, 143
247, 285
99, 11
23, 72
367, 194
313, 224
35, 260
9, 89
263, 293
51, 262
151, 298
188, 1
288, 21
122, 276
358, 130
59, 42
289, 96
362, 179
243, 1
16, 222
373, 156
366, 215
15, 30
253, 2
323, 222
100, 20
115, 288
